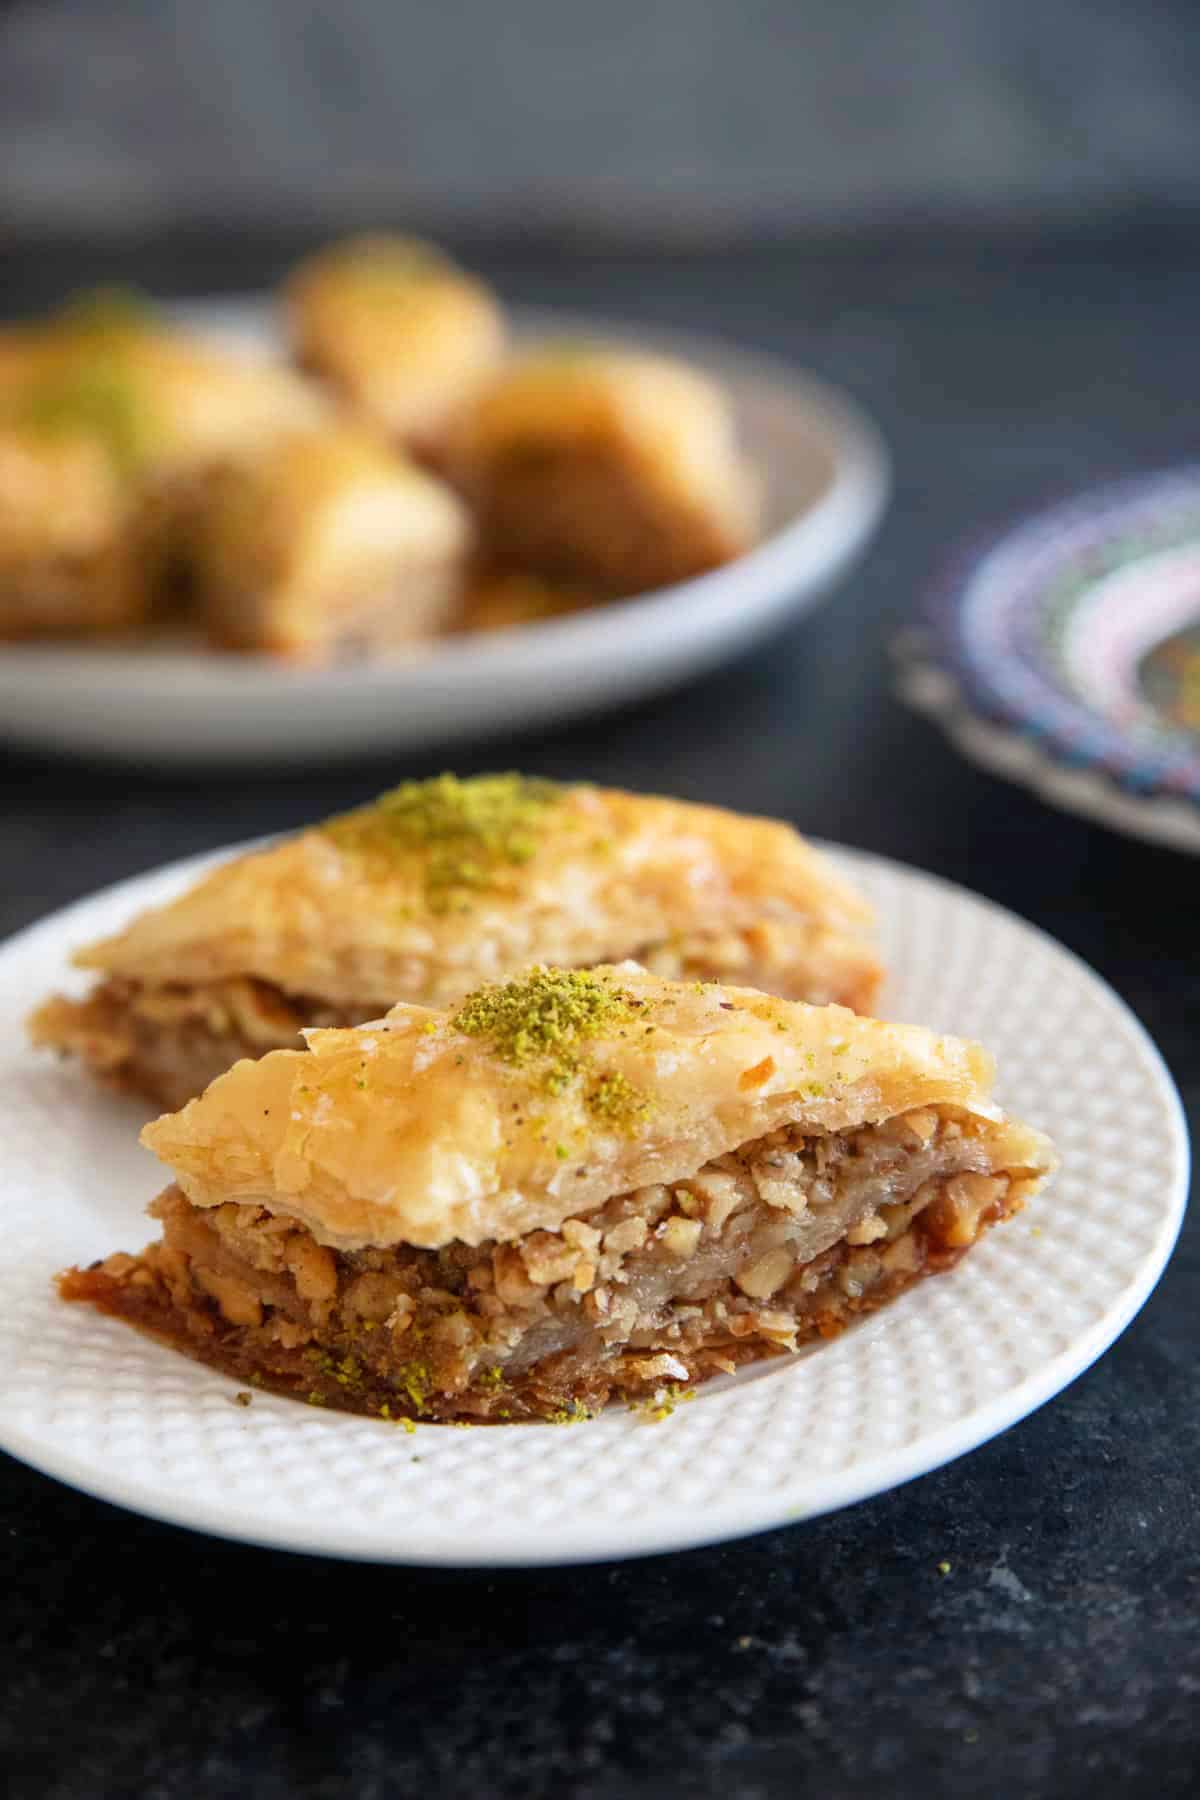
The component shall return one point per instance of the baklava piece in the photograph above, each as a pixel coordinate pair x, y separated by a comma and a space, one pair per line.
328, 541
68, 552
610, 469
161, 408
162, 402
398, 332
441, 885
574, 1188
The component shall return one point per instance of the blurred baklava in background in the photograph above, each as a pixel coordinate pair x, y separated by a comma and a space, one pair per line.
406, 475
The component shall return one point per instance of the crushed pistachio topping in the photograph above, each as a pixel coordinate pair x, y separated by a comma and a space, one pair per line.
466, 834
616, 1099
662, 1403
542, 1022
92, 399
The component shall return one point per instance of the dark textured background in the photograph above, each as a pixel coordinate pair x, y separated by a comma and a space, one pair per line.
1059, 1657
654, 119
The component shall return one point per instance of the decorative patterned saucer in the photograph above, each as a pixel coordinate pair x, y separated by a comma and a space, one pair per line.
1067, 655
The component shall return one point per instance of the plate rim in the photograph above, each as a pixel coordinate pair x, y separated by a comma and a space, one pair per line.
1017, 754
737, 1517
937, 675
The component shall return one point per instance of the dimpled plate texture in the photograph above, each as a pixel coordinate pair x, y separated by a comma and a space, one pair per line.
946, 1367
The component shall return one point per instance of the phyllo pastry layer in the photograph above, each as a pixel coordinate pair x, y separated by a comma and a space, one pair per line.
440, 885
575, 1186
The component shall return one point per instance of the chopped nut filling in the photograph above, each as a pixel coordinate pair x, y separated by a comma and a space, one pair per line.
780, 1241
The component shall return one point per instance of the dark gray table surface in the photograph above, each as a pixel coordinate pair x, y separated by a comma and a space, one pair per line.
1060, 1655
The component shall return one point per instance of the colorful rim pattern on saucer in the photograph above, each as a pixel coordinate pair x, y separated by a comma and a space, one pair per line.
1079, 632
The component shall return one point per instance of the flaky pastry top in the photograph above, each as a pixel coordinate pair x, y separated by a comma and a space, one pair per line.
398, 325
307, 502
670, 421
538, 1100
441, 885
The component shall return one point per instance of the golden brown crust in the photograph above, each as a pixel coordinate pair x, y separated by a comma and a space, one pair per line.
397, 330
609, 874
69, 547
423, 1130
159, 402
613, 469
326, 534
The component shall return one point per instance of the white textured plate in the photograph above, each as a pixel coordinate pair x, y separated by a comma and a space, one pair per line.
826, 474
946, 1367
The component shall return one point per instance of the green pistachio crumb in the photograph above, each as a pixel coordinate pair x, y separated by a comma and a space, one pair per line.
464, 834
415, 1379
543, 1021
545, 1017
93, 397
615, 1099
575, 1414
662, 1403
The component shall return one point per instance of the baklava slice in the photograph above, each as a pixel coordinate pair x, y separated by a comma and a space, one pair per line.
440, 885
610, 469
400, 334
574, 1187
161, 410
68, 539
328, 542
162, 402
